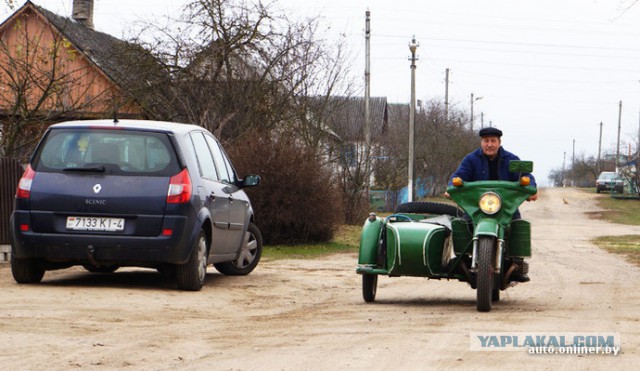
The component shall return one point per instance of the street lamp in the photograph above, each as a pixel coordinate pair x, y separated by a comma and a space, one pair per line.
412, 116
473, 100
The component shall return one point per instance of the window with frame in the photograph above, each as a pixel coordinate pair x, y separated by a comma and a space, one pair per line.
203, 155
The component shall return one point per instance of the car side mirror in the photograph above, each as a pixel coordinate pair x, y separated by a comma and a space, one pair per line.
520, 166
250, 181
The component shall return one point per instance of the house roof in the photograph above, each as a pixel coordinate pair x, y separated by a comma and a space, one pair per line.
347, 120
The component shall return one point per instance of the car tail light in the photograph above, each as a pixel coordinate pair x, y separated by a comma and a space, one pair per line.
179, 188
24, 186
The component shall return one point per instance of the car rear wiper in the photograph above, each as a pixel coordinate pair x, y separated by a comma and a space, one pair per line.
87, 169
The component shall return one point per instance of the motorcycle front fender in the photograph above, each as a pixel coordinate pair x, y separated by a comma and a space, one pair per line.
487, 227
369, 241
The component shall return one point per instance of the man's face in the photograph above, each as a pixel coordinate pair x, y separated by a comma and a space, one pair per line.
490, 146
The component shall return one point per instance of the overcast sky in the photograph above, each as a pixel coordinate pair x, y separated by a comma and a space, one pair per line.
547, 71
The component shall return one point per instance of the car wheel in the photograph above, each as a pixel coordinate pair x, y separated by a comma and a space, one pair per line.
191, 275
26, 270
249, 257
110, 268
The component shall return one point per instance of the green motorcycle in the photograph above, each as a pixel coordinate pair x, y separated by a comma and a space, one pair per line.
481, 245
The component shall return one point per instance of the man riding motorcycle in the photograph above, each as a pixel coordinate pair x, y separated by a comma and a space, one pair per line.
491, 162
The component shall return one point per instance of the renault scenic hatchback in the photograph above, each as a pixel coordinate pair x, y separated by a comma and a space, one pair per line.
105, 194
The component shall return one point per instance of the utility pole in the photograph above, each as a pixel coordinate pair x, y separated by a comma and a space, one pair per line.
412, 116
599, 148
367, 106
471, 111
564, 158
446, 96
573, 164
473, 100
619, 126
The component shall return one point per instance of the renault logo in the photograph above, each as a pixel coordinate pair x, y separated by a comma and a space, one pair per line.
97, 188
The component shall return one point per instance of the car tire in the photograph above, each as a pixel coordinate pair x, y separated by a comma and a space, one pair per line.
249, 257
26, 270
192, 274
101, 269
429, 208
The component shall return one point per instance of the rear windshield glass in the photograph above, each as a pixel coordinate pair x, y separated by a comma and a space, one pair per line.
124, 152
608, 176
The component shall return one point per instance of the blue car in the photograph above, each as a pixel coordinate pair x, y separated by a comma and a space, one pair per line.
105, 194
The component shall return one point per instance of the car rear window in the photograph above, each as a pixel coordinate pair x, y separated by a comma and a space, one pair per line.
124, 152
608, 176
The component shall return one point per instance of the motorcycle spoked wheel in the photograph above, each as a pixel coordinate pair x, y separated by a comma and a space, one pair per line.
486, 277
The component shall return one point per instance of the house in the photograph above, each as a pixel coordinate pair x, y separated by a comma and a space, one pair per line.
61, 68
343, 118
54, 68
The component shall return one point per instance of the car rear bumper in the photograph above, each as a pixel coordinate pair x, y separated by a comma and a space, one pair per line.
609, 186
80, 248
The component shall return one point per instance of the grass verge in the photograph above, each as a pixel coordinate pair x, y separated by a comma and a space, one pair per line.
628, 245
347, 239
621, 211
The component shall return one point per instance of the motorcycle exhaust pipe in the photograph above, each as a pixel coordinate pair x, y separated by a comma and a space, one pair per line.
505, 280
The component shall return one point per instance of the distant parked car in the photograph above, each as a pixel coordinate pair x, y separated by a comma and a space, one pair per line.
609, 180
105, 194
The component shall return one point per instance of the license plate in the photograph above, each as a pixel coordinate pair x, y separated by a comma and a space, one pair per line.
84, 223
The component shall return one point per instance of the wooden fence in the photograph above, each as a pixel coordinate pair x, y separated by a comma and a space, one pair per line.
10, 173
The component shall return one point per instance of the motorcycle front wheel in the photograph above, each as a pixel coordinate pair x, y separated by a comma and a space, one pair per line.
486, 272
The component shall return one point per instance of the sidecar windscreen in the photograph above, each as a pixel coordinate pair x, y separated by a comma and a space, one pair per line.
443, 220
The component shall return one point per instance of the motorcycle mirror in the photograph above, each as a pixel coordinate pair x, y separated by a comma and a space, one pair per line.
521, 166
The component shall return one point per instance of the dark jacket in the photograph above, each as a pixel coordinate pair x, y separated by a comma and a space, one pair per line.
475, 166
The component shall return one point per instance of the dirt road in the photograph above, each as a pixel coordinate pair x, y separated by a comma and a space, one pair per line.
309, 314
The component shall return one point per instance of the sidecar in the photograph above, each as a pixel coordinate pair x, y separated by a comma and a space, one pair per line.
415, 241
427, 239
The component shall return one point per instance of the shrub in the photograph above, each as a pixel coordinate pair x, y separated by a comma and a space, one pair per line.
297, 200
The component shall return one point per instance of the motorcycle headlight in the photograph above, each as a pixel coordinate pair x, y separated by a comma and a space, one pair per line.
490, 203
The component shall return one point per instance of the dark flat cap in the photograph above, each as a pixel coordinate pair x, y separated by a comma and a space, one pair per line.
490, 132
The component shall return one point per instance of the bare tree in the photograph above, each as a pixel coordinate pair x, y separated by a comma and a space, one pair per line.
235, 65
440, 145
10, 3
240, 68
